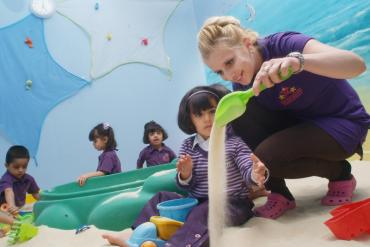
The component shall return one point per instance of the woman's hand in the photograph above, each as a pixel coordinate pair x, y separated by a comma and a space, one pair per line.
259, 171
184, 166
274, 71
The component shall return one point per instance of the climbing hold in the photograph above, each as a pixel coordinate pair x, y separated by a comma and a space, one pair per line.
109, 36
145, 41
28, 85
28, 41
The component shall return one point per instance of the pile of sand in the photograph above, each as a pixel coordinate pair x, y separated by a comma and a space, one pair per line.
301, 227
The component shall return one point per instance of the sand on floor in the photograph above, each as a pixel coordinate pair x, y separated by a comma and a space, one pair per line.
303, 226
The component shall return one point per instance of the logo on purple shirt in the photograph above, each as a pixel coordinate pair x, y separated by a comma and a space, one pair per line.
288, 95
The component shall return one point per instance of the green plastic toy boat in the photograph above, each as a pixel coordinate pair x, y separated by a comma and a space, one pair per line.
110, 202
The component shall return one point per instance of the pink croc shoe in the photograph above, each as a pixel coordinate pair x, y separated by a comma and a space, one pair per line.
340, 192
275, 206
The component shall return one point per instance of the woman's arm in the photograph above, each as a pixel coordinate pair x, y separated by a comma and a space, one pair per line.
329, 61
319, 58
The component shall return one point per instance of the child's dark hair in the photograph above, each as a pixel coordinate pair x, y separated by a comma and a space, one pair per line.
104, 130
151, 127
195, 101
16, 152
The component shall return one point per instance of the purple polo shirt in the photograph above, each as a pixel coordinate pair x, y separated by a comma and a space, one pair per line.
331, 104
109, 162
21, 187
153, 156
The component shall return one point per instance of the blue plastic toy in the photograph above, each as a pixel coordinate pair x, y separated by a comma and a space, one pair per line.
172, 214
143, 233
82, 229
177, 209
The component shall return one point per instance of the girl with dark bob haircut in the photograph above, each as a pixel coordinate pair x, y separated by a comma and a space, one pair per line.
151, 127
196, 116
156, 153
195, 102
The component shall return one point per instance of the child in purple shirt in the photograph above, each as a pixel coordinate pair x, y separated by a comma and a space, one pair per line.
196, 114
305, 125
156, 153
16, 183
103, 139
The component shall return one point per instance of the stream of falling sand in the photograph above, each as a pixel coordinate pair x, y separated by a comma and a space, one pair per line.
216, 185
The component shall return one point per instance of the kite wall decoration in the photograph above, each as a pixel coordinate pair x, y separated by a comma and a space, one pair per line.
31, 82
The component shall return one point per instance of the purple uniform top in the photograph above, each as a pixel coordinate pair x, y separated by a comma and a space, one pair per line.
331, 104
238, 163
154, 156
21, 187
109, 162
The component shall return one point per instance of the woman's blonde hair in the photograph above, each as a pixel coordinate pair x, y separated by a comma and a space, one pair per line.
222, 29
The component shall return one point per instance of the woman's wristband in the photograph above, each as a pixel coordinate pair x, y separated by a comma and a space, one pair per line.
300, 57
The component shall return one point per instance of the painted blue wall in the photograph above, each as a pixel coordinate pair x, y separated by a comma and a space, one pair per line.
343, 24
134, 94
127, 98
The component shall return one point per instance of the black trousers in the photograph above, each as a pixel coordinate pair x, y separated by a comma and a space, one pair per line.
290, 148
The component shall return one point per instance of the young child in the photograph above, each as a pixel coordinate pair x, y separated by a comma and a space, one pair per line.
103, 139
196, 114
156, 153
16, 183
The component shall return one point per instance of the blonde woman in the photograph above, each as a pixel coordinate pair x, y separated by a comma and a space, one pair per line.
306, 125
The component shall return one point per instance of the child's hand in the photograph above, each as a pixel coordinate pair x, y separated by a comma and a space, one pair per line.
258, 171
82, 180
184, 166
13, 210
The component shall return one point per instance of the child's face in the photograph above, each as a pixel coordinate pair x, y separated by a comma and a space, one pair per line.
203, 122
100, 143
18, 167
156, 138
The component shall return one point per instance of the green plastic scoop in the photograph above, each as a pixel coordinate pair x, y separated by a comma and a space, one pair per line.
234, 104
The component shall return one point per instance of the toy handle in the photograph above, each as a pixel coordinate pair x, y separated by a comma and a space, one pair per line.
262, 87
290, 72
249, 93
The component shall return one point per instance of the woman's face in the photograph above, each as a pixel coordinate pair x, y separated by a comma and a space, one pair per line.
235, 64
